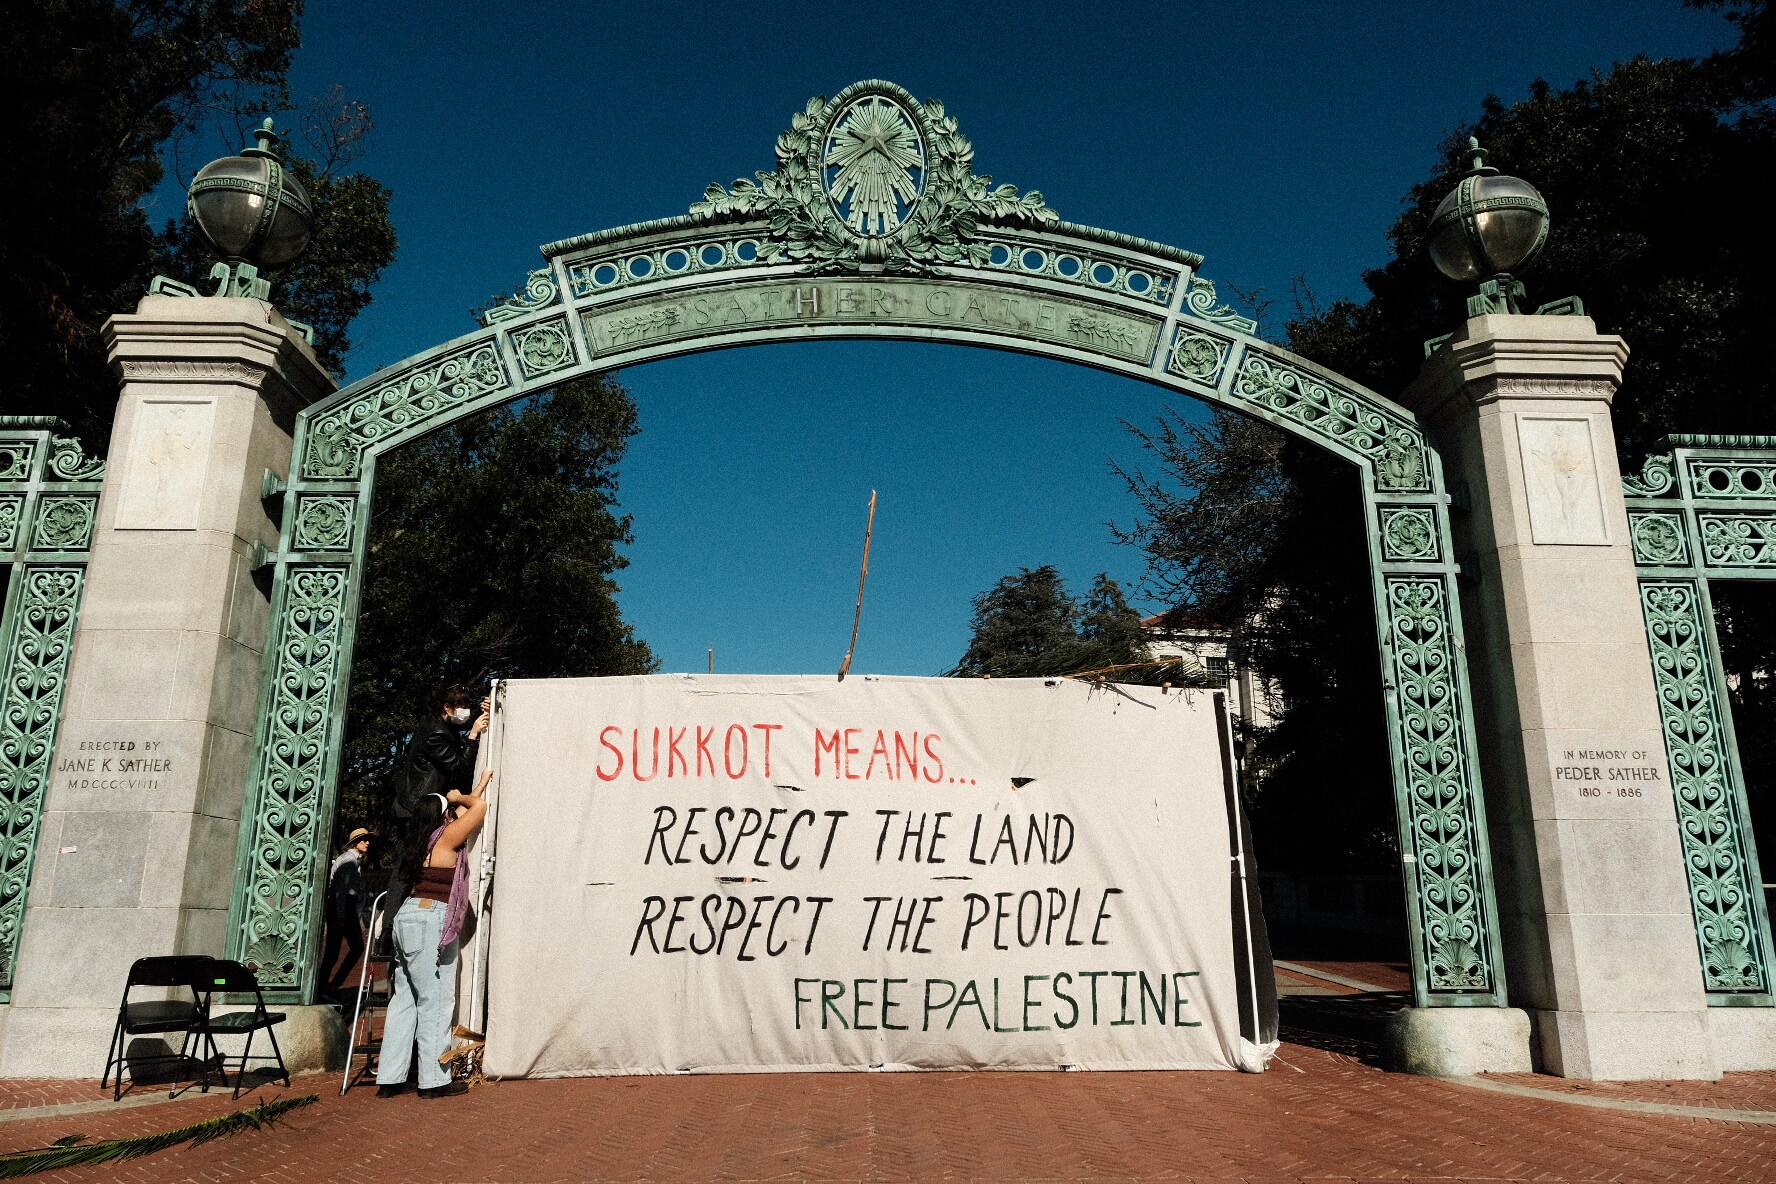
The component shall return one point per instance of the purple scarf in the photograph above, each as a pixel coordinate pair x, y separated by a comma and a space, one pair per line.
458, 907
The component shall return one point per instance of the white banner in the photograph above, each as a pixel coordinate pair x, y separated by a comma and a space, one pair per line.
731, 873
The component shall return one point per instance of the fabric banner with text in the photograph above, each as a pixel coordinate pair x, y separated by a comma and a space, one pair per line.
764, 873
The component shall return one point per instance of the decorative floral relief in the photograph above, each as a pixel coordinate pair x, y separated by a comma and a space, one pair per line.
539, 292
1408, 533
1712, 825
1105, 333
270, 923
1658, 538
64, 523
544, 348
1197, 356
324, 523
1440, 802
11, 507
38, 640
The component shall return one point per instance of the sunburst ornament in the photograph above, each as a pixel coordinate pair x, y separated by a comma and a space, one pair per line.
874, 164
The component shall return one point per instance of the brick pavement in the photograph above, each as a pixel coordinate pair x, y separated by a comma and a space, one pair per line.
1316, 1115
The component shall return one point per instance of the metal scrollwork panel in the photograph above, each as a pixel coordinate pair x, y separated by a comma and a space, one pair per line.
1110, 272
539, 292
1709, 791
336, 440
12, 509
1202, 302
1738, 540
694, 255
38, 641
1338, 417
1738, 480
16, 458
1440, 807
284, 833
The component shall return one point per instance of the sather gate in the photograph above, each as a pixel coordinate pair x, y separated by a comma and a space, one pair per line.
873, 225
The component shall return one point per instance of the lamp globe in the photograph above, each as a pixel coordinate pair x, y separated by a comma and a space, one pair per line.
251, 210
1489, 226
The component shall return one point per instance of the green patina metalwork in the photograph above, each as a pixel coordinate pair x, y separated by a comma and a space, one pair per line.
1705, 510
49, 492
873, 225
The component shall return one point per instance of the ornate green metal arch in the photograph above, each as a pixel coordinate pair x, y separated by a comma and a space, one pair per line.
1706, 510
873, 225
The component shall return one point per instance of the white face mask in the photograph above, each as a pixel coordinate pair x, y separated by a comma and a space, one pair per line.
460, 715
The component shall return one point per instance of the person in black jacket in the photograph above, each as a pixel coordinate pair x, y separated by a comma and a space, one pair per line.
346, 912
440, 757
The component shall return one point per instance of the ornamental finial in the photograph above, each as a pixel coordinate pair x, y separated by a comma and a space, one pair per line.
268, 141
1479, 168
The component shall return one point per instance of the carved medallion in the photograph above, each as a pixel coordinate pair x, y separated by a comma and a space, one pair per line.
874, 164
875, 179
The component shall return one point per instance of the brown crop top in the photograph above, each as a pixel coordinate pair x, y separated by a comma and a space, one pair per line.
434, 883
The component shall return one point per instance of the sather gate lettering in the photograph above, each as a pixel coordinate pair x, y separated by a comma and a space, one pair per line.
873, 225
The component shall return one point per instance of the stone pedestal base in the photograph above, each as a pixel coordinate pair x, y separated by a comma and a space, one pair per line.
1627, 1046
71, 1042
313, 1038
1457, 1041
1744, 1037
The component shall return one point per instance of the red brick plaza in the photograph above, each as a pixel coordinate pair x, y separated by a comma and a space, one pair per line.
1317, 1115
1324, 1111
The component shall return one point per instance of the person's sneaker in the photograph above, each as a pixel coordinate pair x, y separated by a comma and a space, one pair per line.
445, 1091
389, 1091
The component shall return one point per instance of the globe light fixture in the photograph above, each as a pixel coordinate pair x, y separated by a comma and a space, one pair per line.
253, 213
1489, 227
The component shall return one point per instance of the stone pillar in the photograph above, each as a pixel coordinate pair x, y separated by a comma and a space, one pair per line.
137, 848
1599, 938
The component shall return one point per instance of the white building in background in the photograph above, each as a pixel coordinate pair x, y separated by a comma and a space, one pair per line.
1176, 635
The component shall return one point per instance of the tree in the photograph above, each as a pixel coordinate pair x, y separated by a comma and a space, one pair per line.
1246, 526
98, 90
1028, 625
493, 551
1651, 171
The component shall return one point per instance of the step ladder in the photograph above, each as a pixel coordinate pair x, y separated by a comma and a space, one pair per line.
375, 977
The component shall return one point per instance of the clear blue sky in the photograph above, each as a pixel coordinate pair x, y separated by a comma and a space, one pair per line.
1276, 139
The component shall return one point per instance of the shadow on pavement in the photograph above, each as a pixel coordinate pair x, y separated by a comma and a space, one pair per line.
1347, 1024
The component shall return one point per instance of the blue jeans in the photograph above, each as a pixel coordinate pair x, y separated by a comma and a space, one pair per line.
422, 999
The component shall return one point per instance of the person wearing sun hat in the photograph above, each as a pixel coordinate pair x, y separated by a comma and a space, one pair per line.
345, 911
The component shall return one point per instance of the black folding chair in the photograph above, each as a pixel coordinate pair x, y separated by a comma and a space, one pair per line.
158, 1017
233, 978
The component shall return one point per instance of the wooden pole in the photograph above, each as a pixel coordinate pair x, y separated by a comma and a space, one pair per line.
857, 621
